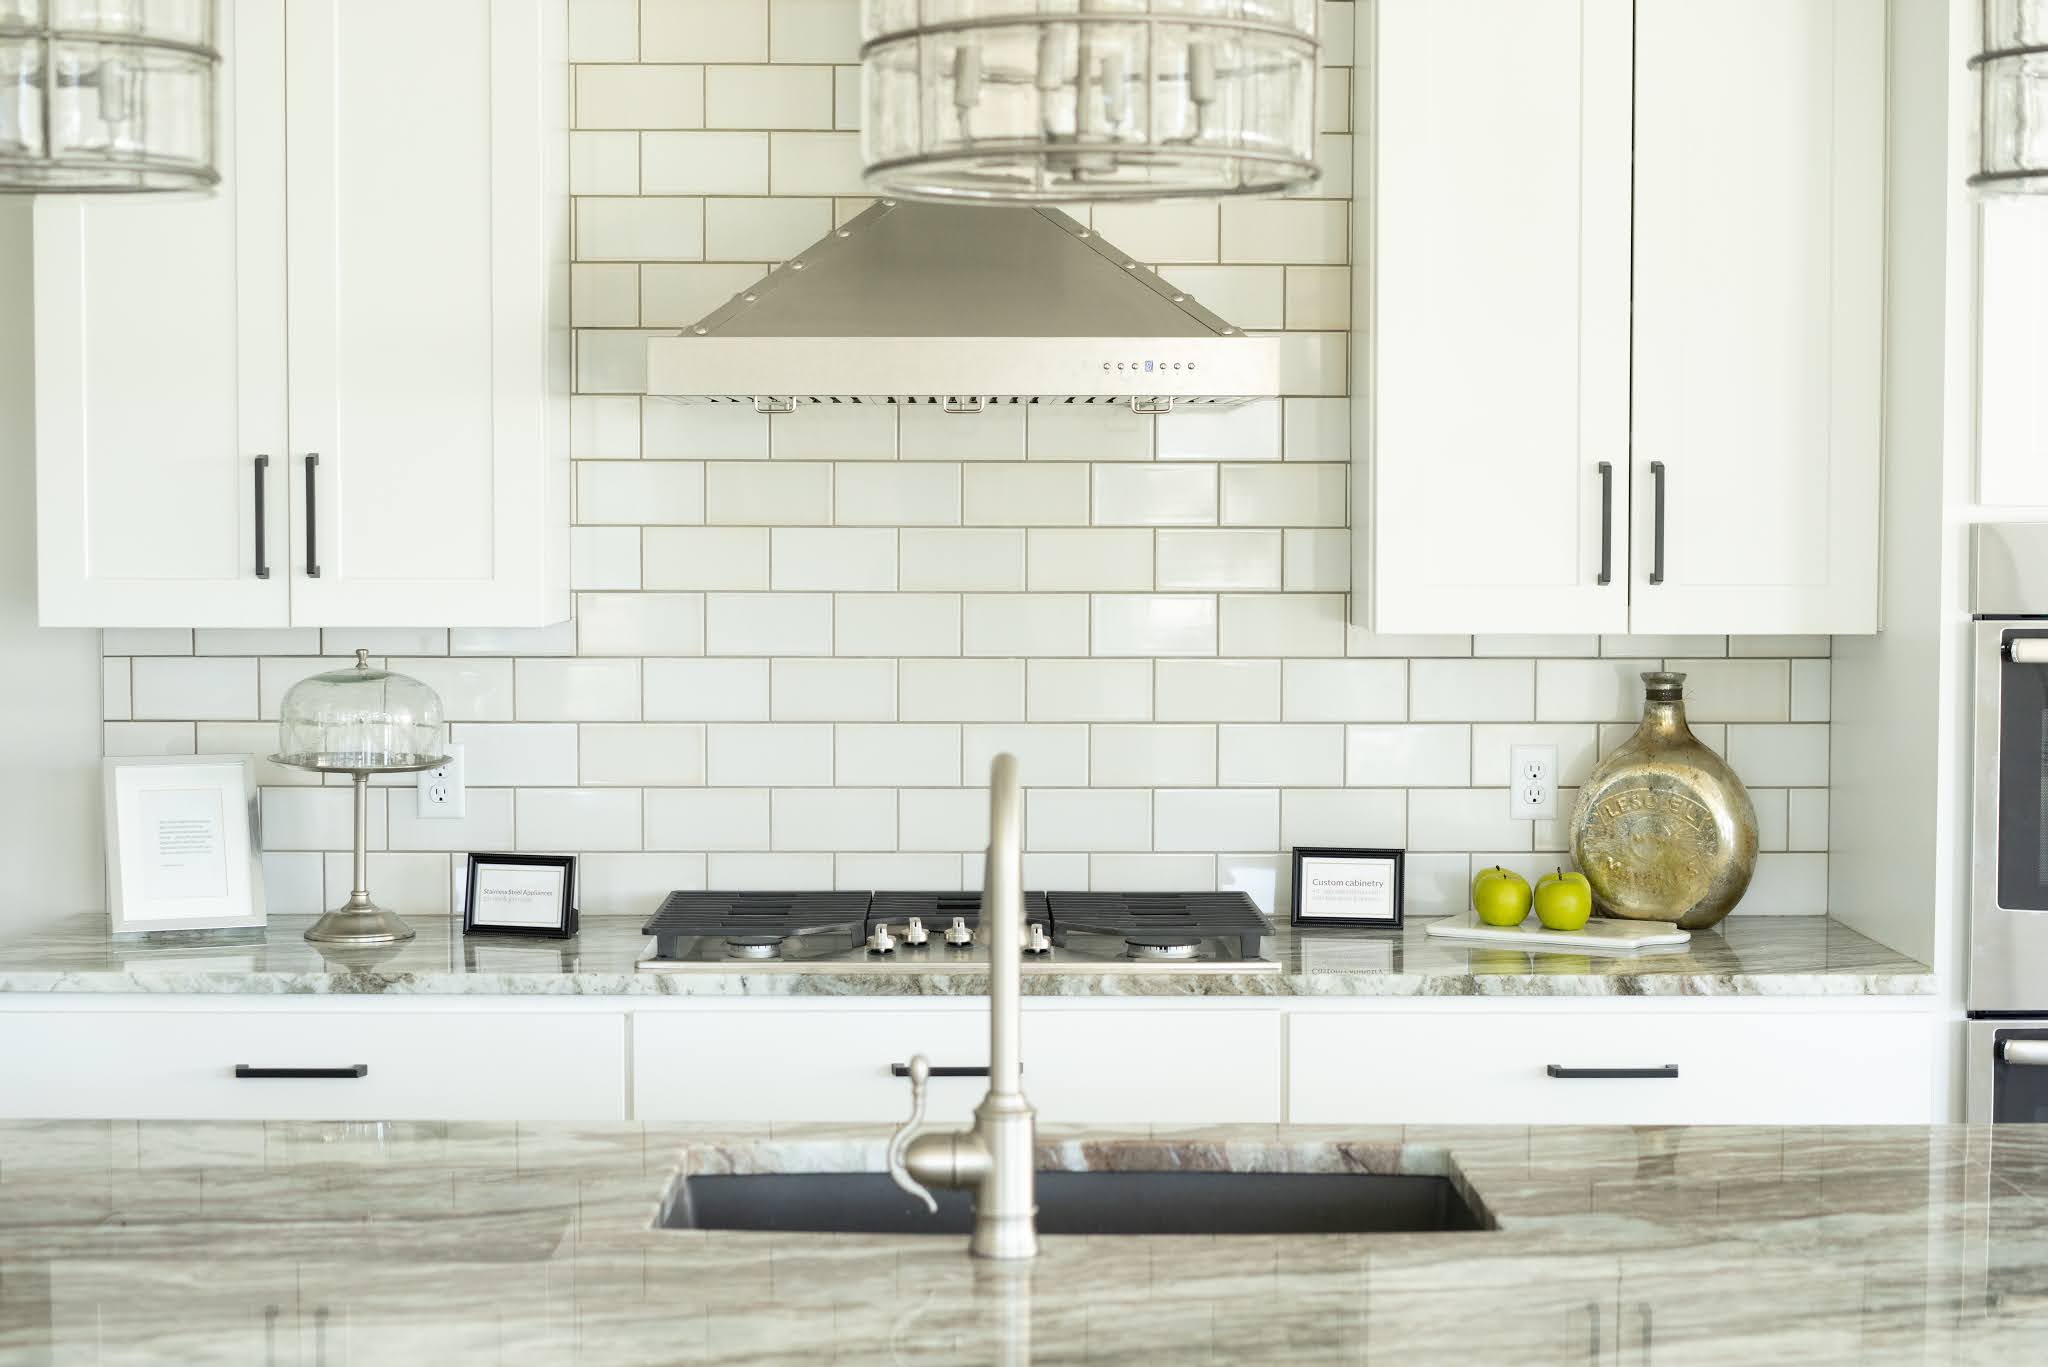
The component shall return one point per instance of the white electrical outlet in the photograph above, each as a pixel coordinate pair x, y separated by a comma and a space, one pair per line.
441, 791
1532, 782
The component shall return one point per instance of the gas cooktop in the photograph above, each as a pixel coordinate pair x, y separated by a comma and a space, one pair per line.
1190, 932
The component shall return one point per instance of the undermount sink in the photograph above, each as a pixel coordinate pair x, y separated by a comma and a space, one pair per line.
1172, 1202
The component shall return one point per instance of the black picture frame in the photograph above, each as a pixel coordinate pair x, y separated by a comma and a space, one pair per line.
562, 927
1392, 862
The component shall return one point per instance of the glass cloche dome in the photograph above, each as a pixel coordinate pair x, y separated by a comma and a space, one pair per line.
361, 720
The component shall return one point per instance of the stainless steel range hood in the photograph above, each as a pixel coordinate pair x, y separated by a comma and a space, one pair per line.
963, 306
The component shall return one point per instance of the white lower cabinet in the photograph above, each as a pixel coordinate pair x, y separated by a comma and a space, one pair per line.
182, 1065
1096, 1066
1675, 1067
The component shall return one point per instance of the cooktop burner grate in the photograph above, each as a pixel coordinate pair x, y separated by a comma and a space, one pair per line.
1182, 916
755, 918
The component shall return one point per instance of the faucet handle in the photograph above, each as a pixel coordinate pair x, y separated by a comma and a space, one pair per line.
899, 1143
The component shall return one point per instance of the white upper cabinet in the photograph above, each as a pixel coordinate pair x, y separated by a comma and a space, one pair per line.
2012, 353
160, 378
1759, 318
1499, 323
387, 324
1637, 274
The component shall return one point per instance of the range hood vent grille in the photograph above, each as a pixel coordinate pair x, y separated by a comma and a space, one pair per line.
963, 307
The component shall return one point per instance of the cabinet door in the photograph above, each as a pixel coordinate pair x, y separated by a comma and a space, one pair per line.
2012, 352
1759, 240
159, 324
428, 357
1498, 362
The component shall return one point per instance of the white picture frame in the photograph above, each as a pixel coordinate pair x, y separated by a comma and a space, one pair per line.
183, 844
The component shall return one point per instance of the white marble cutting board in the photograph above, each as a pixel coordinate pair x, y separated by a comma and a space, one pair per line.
1600, 936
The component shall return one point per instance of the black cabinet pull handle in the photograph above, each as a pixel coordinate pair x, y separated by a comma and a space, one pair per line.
312, 517
262, 506
1559, 1070
1657, 523
903, 1070
1606, 523
352, 1070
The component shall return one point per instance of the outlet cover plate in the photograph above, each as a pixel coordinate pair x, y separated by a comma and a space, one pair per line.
442, 794
1532, 782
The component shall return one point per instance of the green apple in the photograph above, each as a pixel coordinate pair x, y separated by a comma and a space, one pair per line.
1564, 901
1500, 896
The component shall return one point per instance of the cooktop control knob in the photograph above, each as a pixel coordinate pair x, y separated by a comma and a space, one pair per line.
1036, 941
881, 942
958, 933
914, 933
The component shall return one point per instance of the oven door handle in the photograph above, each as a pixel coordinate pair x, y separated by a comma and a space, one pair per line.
2027, 650
2024, 1053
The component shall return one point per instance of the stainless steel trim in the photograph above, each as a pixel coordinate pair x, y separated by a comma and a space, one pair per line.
1029, 20
2010, 564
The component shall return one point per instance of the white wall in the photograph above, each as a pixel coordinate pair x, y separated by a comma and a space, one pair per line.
49, 680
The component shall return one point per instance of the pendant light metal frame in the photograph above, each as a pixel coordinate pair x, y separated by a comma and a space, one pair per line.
2005, 58
56, 171
938, 169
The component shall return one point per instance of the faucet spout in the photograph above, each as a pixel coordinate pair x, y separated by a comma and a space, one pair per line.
997, 1155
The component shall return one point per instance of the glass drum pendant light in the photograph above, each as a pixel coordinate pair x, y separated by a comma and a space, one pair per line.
2012, 79
1056, 101
107, 95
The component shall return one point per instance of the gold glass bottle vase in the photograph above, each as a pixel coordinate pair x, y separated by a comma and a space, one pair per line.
1663, 829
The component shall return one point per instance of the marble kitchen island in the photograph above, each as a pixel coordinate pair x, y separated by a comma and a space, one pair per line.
326, 1243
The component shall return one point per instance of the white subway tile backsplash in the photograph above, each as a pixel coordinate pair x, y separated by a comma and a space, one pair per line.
1472, 690
641, 755
898, 495
833, 431
1219, 559
960, 559
865, 872
146, 641
816, 164
633, 492
651, 229
512, 754
1047, 756
577, 690
604, 31
1212, 819
1813, 647
471, 690
1091, 431
1787, 885
832, 819
737, 229
703, 30
773, 754
1087, 819
1249, 296
1250, 431
409, 884
772, 872
1018, 495
1090, 558
768, 493
962, 690
846, 93
647, 96
1590, 690
1284, 495
1345, 690
633, 883
1348, 818
1772, 828
1282, 624
558, 638
1150, 495
833, 558
319, 818
639, 624
1812, 690
1286, 230
1806, 820
114, 702
704, 557
166, 687
1290, 755
1319, 297
1024, 624
677, 294
1088, 690
1316, 560
126, 738
1152, 756
929, 432
1464, 819
706, 819
943, 818
604, 163
1218, 690
1735, 690
1152, 624
606, 294
1160, 233
261, 641
833, 690
767, 97
1578, 750
704, 163
604, 557
1148, 872
1408, 757
559, 819
768, 624
485, 824
897, 756
1796, 756
896, 624
813, 31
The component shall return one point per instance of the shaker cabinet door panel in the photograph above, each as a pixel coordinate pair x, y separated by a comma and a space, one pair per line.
1758, 349
160, 367
1499, 339
422, 362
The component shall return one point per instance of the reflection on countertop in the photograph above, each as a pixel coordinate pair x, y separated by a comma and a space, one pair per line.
246, 1242
1789, 956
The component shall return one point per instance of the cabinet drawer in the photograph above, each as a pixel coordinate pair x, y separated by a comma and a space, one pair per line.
181, 1065
1495, 1067
1136, 1067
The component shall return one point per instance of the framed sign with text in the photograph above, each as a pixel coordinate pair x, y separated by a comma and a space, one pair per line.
1343, 887
182, 848
520, 894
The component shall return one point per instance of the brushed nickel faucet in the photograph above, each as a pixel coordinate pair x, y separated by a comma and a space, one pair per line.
996, 1155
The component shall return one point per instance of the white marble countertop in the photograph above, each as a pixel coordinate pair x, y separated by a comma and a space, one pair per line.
1744, 956
160, 1242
